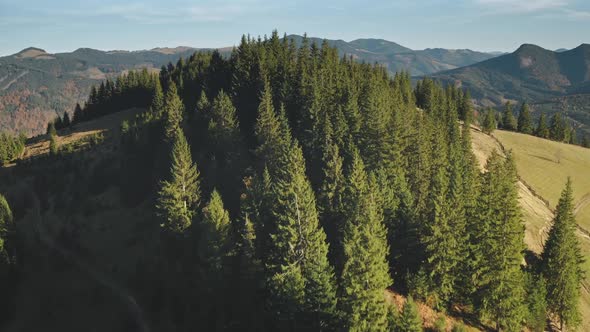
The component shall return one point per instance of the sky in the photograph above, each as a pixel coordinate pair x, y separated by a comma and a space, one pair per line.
483, 25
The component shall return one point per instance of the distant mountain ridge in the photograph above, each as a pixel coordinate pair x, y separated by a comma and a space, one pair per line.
530, 73
553, 81
35, 85
396, 57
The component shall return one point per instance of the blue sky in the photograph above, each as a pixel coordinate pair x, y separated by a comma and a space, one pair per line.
486, 25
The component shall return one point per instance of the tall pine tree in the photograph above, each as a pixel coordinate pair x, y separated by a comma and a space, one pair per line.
366, 272
179, 195
562, 260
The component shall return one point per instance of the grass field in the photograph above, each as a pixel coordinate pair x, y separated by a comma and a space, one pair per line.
543, 167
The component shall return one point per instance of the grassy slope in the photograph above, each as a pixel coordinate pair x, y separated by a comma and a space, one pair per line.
548, 164
542, 180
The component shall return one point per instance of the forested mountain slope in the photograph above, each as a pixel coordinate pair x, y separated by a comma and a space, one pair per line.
36, 86
280, 189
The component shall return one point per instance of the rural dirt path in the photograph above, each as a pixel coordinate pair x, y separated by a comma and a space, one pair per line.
582, 203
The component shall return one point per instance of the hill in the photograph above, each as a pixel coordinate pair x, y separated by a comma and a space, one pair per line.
552, 81
35, 86
396, 57
531, 73
538, 193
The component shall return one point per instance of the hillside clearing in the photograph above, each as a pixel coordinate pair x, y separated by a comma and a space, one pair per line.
107, 127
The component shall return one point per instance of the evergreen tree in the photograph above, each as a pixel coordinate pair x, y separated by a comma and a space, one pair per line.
586, 141
499, 246
562, 262
215, 235
465, 109
301, 280
66, 120
273, 138
365, 275
525, 125
508, 120
536, 300
214, 251
173, 112
53, 146
157, 105
542, 129
51, 131
330, 201
223, 125
489, 121
179, 195
444, 238
7, 235
410, 320
78, 114
557, 129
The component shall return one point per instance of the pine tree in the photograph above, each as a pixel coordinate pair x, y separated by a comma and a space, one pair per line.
536, 300
444, 237
179, 195
562, 262
78, 114
53, 146
7, 235
203, 105
214, 251
330, 200
499, 246
465, 109
508, 120
542, 129
410, 320
586, 141
173, 112
215, 235
157, 105
489, 121
525, 125
365, 275
557, 129
223, 125
273, 138
66, 120
301, 280
51, 131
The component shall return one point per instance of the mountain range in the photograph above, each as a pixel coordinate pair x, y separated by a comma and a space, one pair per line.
531, 73
396, 57
553, 81
35, 85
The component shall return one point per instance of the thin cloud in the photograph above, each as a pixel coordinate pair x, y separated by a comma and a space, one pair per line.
576, 14
148, 14
521, 6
